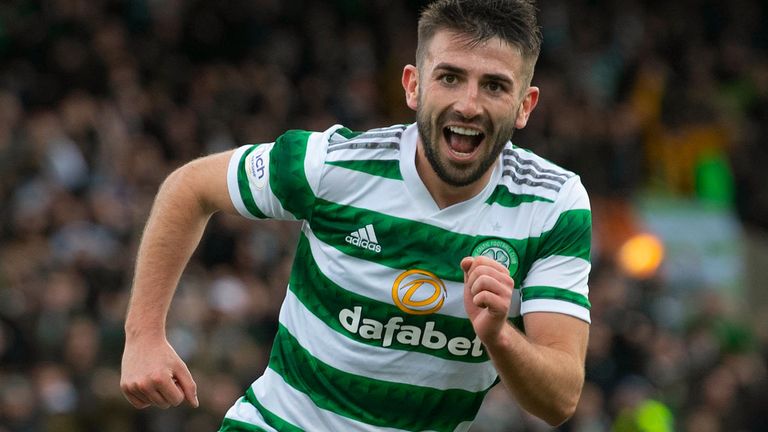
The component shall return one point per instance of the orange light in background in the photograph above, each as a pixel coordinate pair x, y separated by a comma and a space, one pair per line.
641, 256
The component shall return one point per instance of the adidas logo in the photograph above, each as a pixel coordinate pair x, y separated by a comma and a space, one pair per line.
364, 238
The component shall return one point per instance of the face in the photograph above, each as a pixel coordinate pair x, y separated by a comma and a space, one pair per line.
468, 102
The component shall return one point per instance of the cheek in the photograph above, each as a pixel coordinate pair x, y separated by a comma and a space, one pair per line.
512, 116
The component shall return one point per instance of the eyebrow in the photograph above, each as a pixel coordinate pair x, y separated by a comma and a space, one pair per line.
447, 67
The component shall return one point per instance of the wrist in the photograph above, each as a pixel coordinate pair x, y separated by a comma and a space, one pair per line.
504, 340
144, 330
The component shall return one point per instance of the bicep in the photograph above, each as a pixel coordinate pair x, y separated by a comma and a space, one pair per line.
558, 331
207, 176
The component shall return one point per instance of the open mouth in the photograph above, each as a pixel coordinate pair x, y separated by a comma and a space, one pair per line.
462, 141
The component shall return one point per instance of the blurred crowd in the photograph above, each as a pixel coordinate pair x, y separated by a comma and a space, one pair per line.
101, 99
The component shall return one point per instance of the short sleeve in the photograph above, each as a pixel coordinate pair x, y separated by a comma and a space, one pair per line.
558, 278
278, 180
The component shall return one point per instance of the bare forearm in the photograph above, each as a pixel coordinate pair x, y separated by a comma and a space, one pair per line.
545, 381
172, 233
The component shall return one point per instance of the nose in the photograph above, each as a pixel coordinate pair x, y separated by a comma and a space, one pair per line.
468, 104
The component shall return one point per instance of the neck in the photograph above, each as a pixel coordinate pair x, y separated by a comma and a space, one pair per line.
444, 194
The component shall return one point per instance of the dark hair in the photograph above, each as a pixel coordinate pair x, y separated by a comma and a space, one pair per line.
513, 21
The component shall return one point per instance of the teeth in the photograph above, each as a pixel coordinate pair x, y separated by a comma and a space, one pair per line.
463, 131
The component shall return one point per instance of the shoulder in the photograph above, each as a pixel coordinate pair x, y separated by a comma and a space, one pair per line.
527, 169
526, 173
346, 143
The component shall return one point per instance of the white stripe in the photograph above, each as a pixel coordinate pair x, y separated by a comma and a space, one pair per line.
520, 226
338, 138
558, 306
363, 235
314, 162
365, 138
379, 153
247, 413
298, 409
558, 271
232, 184
371, 233
391, 365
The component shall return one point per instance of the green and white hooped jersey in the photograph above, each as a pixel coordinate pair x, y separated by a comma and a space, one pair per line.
373, 335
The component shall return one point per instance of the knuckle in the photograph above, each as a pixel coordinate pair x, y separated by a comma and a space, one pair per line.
139, 404
142, 387
485, 280
157, 378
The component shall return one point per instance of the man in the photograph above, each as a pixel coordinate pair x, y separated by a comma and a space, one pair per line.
421, 245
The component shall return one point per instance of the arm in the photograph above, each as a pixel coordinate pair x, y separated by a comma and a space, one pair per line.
543, 369
152, 373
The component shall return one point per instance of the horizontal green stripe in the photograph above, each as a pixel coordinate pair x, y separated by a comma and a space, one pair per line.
381, 168
370, 401
503, 197
272, 419
326, 300
229, 425
406, 244
286, 174
552, 293
571, 236
244, 186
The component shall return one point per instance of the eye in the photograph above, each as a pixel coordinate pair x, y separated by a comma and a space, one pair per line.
495, 87
449, 79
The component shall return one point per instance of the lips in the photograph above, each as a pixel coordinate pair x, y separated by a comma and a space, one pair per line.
462, 141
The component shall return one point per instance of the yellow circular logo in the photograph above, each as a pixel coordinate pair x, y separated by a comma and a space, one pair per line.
418, 292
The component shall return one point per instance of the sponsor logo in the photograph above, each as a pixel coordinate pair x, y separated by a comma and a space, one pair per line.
395, 331
500, 251
418, 292
257, 170
365, 238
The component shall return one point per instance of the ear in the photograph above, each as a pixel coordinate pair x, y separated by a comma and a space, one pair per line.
529, 102
411, 86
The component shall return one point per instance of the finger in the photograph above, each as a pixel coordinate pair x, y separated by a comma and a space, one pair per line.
147, 390
480, 271
187, 384
481, 299
157, 399
494, 304
466, 264
136, 400
472, 264
485, 261
148, 395
491, 284
134, 394
169, 391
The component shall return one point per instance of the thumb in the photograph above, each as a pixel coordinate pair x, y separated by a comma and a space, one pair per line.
187, 385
